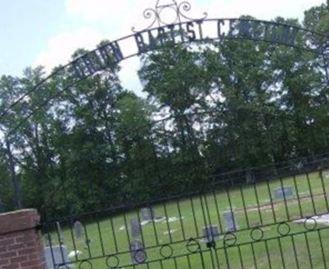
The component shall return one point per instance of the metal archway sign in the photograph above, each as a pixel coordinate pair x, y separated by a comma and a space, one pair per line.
182, 29
200, 30
190, 31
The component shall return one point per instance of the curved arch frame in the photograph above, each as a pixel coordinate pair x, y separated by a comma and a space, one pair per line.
112, 53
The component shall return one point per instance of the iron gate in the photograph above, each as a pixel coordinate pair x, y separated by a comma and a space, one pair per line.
277, 223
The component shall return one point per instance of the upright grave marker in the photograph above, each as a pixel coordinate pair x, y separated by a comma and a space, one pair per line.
59, 233
147, 214
78, 230
210, 233
135, 228
231, 225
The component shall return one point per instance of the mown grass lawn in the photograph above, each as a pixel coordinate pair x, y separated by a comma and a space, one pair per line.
267, 237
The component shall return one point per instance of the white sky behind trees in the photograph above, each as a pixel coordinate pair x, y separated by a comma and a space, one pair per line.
47, 33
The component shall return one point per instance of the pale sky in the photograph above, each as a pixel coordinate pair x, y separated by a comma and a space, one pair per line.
47, 32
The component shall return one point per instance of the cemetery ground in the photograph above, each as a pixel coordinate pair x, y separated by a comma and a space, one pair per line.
268, 234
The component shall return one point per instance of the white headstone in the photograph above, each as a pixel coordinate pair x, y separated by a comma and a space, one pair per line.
147, 214
78, 230
56, 257
231, 225
59, 232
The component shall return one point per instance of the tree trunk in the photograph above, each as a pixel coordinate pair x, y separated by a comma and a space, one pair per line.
14, 178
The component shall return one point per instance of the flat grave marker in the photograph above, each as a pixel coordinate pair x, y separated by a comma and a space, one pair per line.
282, 193
57, 255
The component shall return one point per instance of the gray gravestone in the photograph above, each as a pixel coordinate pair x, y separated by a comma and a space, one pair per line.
231, 225
57, 255
59, 232
285, 192
78, 230
135, 228
147, 214
138, 254
210, 233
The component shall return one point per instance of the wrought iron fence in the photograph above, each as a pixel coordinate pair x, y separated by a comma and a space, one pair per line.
277, 222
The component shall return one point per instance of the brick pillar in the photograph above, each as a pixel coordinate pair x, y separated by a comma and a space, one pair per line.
21, 241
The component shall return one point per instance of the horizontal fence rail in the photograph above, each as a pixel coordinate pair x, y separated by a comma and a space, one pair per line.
279, 222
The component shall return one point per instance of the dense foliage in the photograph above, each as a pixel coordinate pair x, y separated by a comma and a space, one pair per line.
210, 108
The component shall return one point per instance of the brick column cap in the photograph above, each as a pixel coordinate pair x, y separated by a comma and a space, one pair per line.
20, 220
